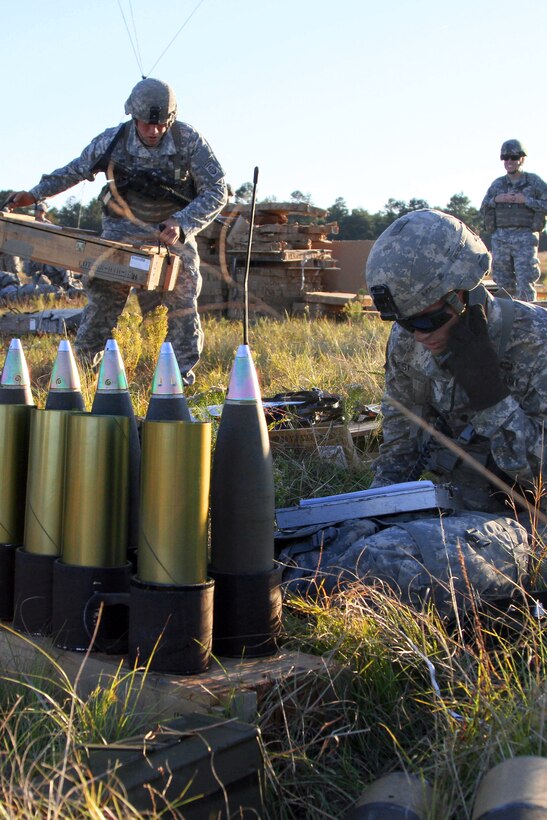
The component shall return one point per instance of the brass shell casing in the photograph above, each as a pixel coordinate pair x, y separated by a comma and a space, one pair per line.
96, 490
14, 445
46, 482
174, 502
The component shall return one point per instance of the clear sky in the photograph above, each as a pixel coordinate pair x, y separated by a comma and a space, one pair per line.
359, 99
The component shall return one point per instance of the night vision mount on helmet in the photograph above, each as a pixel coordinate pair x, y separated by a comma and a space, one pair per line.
419, 259
152, 101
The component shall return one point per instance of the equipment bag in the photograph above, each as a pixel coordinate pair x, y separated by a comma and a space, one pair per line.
448, 560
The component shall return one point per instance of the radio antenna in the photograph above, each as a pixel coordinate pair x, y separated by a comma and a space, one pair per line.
248, 264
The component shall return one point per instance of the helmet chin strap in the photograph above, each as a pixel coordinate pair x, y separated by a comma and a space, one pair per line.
455, 302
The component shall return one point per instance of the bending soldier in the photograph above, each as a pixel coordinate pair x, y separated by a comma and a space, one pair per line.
164, 181
514, 211
468, 363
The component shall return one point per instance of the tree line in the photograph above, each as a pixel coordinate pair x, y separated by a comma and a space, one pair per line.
355, 224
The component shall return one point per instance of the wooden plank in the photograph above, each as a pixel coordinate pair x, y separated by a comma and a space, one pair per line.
335, 298
292, 229
359, 429
290, 255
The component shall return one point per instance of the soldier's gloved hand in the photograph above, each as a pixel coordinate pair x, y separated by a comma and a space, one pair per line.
473, 361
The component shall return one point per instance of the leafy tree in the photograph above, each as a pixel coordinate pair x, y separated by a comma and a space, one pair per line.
337, 211
357, 225
75, 214
417, 204
298, 196
244, 193
398, 207
460, 206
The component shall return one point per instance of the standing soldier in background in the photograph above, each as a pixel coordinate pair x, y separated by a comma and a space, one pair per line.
163, 182
514, 211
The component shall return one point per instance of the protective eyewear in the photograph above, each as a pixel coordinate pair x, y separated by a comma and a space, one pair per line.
384, 302
427, 322
514, 157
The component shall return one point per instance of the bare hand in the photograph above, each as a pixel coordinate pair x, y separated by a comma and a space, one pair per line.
171, 232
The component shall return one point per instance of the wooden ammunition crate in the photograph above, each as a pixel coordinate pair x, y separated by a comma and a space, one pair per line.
141, 267
213, 766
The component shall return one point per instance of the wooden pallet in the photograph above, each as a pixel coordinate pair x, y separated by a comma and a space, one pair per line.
160, 697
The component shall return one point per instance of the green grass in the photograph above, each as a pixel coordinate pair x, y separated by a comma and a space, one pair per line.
399, 689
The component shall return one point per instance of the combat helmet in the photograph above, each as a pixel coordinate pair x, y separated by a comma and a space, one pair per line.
152, 101
419, 259
512, 147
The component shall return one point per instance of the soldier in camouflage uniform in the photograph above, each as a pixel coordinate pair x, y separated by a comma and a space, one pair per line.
514, 211
471, 365
165, 183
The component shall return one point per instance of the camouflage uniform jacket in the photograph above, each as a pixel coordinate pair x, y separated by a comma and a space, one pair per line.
199, 169
532, 186
513, 432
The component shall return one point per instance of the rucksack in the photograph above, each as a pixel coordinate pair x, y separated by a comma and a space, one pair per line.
450, 560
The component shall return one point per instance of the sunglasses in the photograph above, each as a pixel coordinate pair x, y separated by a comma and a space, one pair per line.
428, 322
514, 157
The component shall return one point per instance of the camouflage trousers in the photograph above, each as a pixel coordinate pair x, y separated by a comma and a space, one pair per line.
515, 262
106, 301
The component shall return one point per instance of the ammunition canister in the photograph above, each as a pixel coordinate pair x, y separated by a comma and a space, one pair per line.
14, 446
96, 490
46, 482
171, 627
79, 617
174, 502
247, 610
32, 592
112, 397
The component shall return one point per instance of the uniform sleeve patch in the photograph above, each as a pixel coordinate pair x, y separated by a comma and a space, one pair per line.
213, 169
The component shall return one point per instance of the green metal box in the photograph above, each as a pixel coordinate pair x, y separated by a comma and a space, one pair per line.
214, 767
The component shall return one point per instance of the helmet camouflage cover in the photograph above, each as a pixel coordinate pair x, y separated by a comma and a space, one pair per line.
420, 258
152, 101
512, 147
